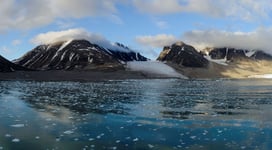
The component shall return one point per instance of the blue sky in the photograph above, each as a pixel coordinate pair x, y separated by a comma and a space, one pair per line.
143, 25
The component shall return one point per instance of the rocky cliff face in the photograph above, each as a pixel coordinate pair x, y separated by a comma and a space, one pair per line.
216, 62
260, 55
227, 53
77, 54
183, 55
232, 54
7, 66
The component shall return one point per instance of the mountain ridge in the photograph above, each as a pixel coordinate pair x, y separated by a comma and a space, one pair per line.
77, 54
216, 62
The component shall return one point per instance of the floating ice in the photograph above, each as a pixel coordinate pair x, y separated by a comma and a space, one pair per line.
15, 140
135, 140
114, 148
68, 132
57, 139
150, 146
99, 136
193, 137
18, 125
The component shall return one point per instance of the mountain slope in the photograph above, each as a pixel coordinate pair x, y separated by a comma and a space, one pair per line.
231, 54
7, 66
77, 54
183, 55
216, 62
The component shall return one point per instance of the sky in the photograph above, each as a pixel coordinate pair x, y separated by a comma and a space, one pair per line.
143, 25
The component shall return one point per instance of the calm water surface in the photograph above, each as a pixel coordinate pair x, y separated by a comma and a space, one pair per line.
137, 114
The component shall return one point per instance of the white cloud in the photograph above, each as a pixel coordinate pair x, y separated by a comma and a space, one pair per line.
16, 42
64, 35
70, 34
156, 41
258, 39
65, 24
4, 50
158, 6
242, 9
162, 24
26, 14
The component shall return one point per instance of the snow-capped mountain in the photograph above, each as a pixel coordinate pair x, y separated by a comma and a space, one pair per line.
77, 54
7, 66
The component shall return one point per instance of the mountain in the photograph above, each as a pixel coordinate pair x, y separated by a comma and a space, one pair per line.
216, 62
231, 54
77, 54
183, 55
261, 55
7, 66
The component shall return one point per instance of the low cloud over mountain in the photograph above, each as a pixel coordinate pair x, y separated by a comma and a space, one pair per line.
258, 39
77, 33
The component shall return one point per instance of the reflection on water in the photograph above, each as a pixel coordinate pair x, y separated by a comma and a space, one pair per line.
136, 114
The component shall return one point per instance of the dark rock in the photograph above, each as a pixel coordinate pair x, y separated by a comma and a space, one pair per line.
228, 53
183, 55
127, 54
260, 55
233, 54
7, 66
76, 54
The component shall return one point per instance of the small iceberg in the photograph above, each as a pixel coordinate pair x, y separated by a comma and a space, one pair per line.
17, 125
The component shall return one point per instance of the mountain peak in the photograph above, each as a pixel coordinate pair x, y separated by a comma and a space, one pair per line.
183, 55
179, 43
77, 54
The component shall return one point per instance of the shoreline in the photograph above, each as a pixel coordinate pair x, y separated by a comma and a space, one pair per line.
98, 76
81, 76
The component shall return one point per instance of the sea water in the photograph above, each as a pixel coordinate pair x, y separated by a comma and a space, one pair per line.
137, 114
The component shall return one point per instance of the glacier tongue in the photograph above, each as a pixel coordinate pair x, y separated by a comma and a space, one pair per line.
154, 67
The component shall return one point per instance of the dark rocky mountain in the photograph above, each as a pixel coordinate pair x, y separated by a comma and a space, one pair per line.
231, 54
260, 55
127, 55
7, 66
77, 54
183, 55
228, 53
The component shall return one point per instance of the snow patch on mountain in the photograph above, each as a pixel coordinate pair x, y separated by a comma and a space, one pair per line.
250, 53
65, 44
263, 76
218, 61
